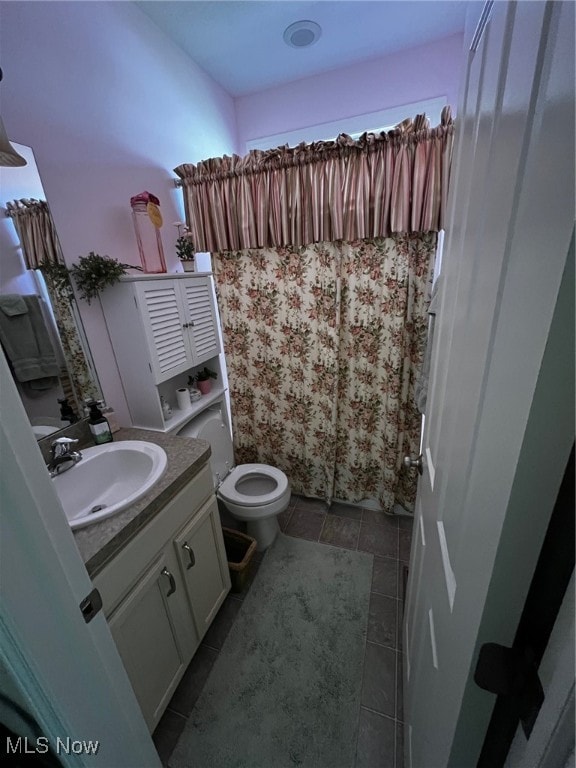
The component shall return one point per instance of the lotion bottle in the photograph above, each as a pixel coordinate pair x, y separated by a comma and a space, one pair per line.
99, 426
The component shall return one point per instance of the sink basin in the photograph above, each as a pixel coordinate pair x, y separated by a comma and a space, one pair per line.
108, 479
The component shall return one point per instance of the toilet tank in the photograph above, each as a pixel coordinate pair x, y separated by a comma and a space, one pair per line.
210, 426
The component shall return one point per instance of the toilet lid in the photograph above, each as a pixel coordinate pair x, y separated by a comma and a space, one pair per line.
251, 485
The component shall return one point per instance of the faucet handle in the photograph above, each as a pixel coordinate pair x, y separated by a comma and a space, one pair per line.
61, 445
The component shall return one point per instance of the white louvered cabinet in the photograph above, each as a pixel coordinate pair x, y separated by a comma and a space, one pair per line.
180, 323
162, 329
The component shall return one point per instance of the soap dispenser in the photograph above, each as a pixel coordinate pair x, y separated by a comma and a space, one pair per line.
99, 426
66, 412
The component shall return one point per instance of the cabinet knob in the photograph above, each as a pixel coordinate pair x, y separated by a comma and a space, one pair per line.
190, 551
166, 572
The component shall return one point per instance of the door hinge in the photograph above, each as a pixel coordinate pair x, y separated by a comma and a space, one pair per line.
512, 672
91, 605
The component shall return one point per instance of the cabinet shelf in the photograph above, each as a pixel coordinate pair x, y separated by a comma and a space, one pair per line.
179, 417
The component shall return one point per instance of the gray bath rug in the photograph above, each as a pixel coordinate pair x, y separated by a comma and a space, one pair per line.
285, 689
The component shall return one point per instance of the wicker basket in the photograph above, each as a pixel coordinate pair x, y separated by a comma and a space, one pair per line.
240, 550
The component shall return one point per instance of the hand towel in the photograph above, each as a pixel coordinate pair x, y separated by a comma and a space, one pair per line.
26, 341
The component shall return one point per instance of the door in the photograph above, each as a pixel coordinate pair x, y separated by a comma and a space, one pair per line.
203, 564
166, 327
64, 672
180, 321
201, 317
155, 657
499, 424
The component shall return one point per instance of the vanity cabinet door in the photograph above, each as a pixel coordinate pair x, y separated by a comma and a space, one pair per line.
203, 564
155, 635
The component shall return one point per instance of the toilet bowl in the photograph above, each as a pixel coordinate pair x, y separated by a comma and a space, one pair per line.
253, 493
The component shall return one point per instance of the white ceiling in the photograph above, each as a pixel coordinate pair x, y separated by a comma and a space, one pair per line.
240, 43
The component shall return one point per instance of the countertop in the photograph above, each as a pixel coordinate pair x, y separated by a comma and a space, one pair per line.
100, 542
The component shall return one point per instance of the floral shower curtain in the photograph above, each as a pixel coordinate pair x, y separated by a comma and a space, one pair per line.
322, 254
323, 344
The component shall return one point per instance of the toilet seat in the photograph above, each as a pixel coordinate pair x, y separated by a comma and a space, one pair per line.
231, 488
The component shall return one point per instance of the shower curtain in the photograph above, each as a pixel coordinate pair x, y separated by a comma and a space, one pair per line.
323, 344
322, 255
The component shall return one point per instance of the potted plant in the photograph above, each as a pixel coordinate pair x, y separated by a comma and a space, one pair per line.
203, 380
93, 273
185, 247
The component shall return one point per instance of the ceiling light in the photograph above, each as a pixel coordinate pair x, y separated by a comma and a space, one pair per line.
302, 34
8, 155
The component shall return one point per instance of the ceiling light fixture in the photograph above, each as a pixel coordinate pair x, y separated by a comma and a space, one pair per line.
302, 34
9, 158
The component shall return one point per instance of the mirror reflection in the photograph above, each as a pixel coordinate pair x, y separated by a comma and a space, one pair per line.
41, 330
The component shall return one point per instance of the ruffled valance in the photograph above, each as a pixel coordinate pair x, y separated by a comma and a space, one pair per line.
35, 228
346, 189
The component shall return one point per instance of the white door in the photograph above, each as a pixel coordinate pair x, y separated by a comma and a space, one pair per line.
499, 424
66, 674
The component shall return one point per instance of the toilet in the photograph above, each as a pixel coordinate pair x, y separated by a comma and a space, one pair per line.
253, 493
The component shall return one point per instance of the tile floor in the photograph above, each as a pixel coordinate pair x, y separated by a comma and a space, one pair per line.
380, 735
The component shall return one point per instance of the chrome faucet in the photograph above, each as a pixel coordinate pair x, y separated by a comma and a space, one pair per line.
62, 458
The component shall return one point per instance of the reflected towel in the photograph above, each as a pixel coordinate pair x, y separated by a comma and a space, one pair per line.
26, 341
13, 304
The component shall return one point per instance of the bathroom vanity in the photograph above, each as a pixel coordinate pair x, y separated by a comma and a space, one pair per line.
161, 570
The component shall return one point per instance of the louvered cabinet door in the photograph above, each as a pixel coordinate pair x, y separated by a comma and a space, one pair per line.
201, 316
166, 328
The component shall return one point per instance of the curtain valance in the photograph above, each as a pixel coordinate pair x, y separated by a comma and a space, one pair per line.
35, 228
346, 189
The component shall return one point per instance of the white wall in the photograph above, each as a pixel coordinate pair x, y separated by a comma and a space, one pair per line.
110, 107
421, 73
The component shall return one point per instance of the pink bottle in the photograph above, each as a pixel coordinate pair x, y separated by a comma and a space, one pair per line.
147, 222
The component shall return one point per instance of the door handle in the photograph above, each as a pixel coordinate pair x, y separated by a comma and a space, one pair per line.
166, 572
417, 463
190, 551
512, 673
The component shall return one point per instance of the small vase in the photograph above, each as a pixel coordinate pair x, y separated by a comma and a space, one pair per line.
204, 386
188, 266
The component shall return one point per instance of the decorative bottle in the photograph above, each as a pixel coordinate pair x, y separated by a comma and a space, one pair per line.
147, 222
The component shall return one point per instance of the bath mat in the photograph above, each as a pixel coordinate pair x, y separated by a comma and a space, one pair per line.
285, 689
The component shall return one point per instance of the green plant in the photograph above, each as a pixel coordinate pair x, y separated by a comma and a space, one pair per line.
93, 273
185, 248
205, 375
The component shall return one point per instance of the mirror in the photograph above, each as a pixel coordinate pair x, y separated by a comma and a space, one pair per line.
38, 312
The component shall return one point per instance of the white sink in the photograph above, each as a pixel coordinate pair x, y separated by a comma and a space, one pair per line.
108, 479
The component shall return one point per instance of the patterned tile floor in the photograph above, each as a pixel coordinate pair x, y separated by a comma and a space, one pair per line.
380, 735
